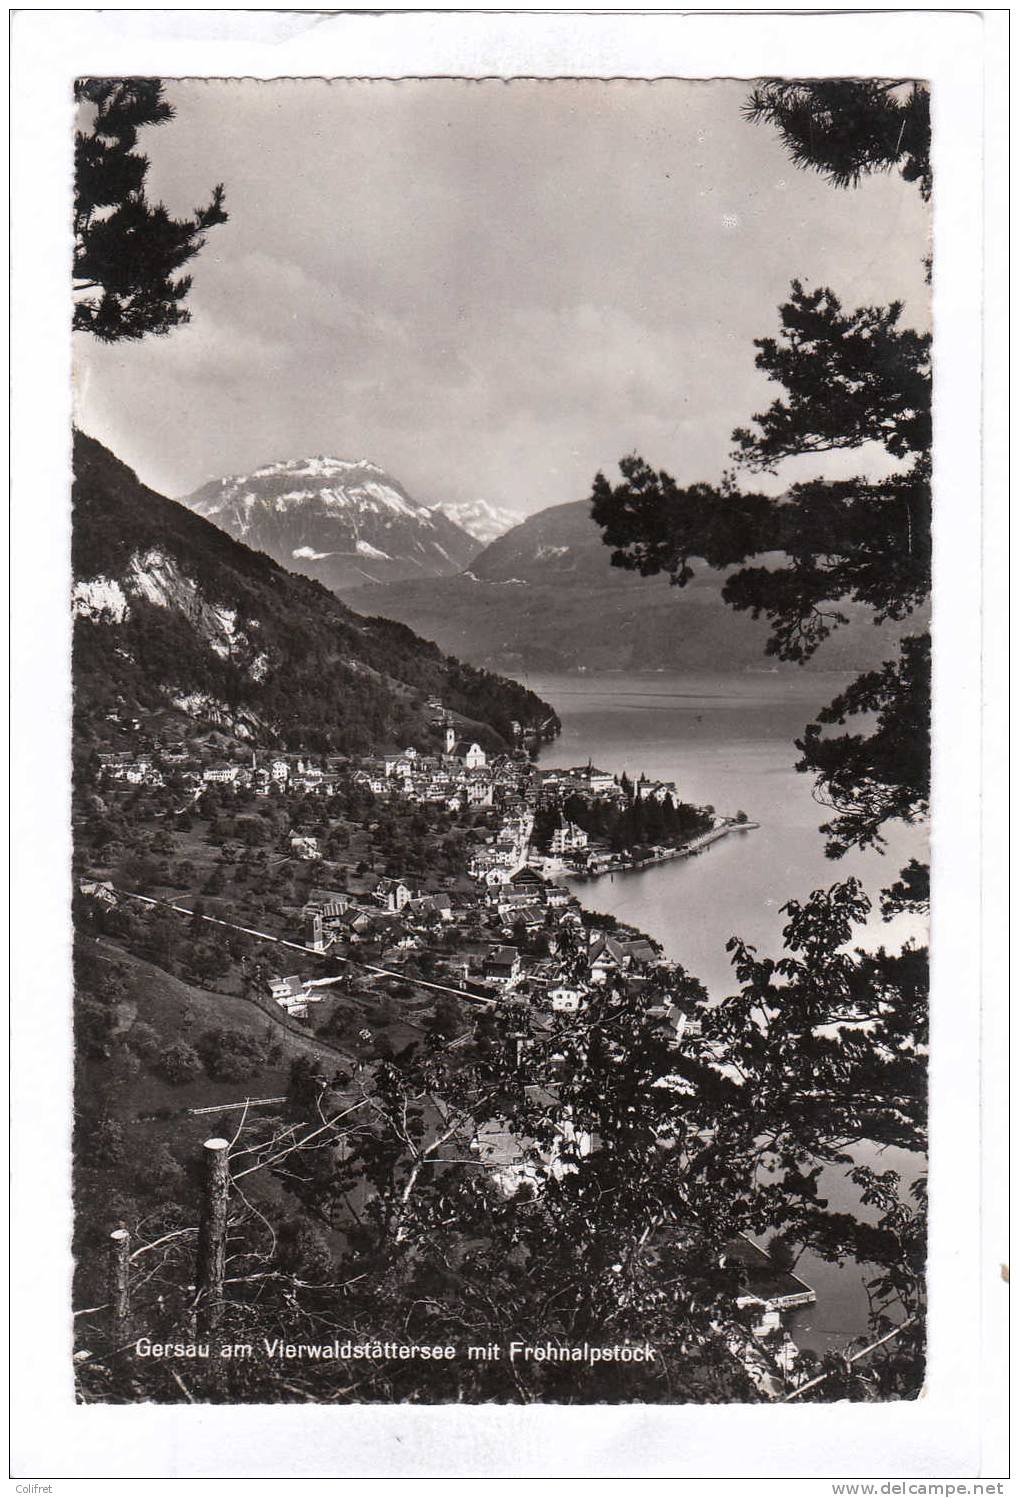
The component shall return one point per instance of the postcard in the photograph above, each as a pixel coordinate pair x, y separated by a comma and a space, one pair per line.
506, 520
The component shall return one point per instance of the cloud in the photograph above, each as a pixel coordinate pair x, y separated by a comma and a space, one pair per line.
491, 289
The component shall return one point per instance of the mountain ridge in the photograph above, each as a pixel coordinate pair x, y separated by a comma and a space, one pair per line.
177, 621
546, 597
343, 522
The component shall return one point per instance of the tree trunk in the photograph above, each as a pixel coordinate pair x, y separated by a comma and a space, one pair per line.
120, 1286
212, 1234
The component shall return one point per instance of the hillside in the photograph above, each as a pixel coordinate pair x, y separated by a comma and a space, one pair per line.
178, 622
545, 597
343, 523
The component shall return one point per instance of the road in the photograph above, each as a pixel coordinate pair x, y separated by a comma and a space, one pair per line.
293, 946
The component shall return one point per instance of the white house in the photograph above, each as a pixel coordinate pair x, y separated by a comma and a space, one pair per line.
293, 995
220, 775
568, 838
391, 894
514, 1160
657, 790
566, 998
604, 957
471, 754
501, 964
599, 782
479, 791
99, 889
316, 938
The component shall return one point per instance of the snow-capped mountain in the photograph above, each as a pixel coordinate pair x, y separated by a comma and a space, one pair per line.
479, 519
342, 522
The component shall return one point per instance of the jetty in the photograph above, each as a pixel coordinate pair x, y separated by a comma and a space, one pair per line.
621, 864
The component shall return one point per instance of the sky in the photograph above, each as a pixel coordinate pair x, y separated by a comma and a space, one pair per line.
492, 289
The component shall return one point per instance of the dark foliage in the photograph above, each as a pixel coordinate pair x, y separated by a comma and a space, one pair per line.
634, 824
848, 380
180, 1063
128, 251
229, 1056
405, 1233
847, 128
911, 891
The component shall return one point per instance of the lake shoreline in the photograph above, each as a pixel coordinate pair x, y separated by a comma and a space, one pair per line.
666, 855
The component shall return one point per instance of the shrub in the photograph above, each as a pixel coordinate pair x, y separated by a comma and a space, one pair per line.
106, 1145
159, 1174
180, 1063
302, 1250
231, 1057
145, 1042
781, 1253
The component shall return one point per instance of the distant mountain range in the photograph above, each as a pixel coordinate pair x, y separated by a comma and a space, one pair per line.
545, 597
542, 595
180, 628
479, 519
344, 523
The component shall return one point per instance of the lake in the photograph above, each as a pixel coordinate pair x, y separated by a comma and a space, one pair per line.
727, 741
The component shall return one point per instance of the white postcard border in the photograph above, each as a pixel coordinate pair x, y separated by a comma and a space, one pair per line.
942, 1435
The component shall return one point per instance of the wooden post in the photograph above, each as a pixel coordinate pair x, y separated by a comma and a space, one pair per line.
120, 1286
212, 1233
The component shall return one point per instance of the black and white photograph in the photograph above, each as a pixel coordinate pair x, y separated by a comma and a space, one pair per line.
500, 697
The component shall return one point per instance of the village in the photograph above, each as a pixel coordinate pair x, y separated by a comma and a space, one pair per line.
504, 927
393, 955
